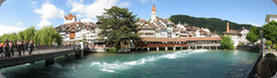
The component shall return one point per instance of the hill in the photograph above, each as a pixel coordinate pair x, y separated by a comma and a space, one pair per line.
214, 24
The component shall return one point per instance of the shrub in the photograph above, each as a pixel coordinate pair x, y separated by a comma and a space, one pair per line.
275, 46
112, 50
270, 55
227, 43
268, 43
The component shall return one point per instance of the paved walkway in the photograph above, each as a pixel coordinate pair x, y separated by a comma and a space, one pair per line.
38, 52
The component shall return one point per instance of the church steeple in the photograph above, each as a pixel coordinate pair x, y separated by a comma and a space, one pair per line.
153, 14
154, 8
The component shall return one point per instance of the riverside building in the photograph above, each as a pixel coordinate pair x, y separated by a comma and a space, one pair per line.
74, 32
237, 36
162, 34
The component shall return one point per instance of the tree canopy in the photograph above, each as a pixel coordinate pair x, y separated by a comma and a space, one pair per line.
253, 35
214, 24
270, 31
44, 36
119, 27
227, 43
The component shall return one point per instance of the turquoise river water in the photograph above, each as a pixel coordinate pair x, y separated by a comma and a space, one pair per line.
179, 64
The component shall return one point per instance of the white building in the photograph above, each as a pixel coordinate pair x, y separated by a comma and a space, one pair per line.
238, 37
270, 18
163, 28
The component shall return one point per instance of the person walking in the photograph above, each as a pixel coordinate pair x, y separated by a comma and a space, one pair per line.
1, 49
30, 47
18, 45
11, 46
6, 48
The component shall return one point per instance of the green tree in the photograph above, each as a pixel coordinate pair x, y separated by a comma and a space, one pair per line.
119, 26
227, 43
47, 35
269, 31
29, 33
253, 35
9, 36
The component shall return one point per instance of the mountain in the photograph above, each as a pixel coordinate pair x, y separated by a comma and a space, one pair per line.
214, 24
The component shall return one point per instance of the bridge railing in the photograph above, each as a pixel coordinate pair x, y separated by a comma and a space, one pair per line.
253, 72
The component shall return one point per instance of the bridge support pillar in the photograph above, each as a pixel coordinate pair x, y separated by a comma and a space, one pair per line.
174, 48
49, 61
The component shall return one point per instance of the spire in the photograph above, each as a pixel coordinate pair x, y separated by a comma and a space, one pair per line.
154, 8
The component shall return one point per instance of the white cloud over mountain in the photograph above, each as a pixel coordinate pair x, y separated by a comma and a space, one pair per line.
49, 11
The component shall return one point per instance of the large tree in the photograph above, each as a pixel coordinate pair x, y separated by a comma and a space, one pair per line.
119, 27
253, 35
47, 36
227, 43
269, 31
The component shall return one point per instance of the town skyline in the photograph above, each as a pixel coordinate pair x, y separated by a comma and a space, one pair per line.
49, 12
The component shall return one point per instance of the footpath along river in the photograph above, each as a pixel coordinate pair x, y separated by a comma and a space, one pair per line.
179, 64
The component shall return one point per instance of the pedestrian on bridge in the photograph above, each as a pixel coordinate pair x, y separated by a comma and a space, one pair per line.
30, 47
19, 47
1, 49
6, 49
11, 48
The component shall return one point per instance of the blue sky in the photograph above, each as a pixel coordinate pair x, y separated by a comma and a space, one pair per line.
19, 14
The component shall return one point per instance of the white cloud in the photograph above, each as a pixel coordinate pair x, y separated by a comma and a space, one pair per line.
18, 23
9, 29
90, 11
34, 2
124, 4
49, 11
143, 1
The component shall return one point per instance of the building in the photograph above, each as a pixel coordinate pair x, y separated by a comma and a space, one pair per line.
157, 44
74, 32
162, 34
237, 36
163, 28
270, 18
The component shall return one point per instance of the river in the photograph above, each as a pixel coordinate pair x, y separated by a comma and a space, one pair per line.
179, 64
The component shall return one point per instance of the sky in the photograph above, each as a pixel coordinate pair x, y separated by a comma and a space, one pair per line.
17, 15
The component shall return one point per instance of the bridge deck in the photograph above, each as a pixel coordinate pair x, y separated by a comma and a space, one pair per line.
39, 54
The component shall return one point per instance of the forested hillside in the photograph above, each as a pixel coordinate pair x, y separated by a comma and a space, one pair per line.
214, 24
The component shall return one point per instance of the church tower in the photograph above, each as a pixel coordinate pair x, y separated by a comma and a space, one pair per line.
153, 14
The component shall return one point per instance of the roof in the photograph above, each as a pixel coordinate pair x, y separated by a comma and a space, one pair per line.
267, 19
70, 17
154, 8
153, 39
75, 26
233, 32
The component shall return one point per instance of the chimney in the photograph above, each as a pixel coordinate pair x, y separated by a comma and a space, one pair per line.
228, 27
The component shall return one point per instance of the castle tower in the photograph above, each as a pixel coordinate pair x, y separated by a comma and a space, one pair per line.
70, 18
153, 14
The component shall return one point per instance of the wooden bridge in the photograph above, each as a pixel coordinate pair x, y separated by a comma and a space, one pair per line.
47, 54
